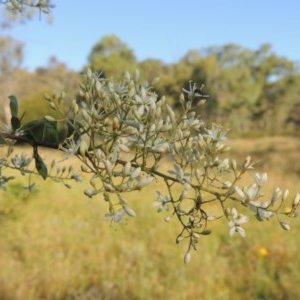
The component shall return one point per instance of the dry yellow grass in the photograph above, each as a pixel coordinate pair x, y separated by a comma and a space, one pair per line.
55, 244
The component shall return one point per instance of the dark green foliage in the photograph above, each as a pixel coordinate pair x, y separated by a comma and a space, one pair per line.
13, 105
40, 130
109, 55
39, 164
15, 122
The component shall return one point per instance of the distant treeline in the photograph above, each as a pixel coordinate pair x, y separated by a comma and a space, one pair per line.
253, 92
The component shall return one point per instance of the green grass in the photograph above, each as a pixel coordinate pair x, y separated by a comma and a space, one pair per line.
55, 244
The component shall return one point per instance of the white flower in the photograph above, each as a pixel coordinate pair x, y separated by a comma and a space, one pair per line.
260, 179
217, 134
162, 202
70, 148
236, 222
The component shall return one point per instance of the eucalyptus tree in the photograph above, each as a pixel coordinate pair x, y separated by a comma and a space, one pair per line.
110, 54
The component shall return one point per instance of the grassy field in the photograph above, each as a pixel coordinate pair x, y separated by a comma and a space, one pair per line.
55, 244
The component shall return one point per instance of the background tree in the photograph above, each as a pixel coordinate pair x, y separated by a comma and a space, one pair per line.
109, 53
240, 81
11, 54
54, 78
290, 103
11, 58
272, 73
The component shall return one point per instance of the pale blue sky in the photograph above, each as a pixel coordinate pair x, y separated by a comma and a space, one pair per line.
160, 29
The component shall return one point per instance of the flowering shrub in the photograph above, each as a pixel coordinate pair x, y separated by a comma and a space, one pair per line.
110, 119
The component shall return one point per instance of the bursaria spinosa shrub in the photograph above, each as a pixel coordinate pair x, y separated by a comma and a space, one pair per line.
122, 133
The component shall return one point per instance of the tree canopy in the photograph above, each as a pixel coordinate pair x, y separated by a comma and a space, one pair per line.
110, 52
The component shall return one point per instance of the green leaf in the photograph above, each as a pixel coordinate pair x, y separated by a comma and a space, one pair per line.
50, 131
39, 164
31, 130
31, 125
41, 130
13, 105
15, 123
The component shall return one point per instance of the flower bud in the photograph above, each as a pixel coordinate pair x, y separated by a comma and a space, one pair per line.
116, 124
187, 257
